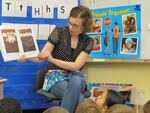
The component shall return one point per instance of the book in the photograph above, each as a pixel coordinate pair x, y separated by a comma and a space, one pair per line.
17, 41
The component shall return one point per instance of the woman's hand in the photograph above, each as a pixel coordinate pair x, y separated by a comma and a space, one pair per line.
46, 55
23, 58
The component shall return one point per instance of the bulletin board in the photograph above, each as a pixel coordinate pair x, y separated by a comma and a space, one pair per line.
42, 16
145, 25
116, 32
33, 12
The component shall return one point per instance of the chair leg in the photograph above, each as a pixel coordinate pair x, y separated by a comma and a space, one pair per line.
59, 103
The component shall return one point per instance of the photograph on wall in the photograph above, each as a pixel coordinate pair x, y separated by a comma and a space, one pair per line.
97, 43
16, 41
129, 23
97, 46
117, 22
129, 45
96, 25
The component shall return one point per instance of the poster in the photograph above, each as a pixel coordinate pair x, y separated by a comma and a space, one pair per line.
116, 32
16, 42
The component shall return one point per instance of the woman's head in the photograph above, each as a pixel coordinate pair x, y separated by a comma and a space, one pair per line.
109, 98
80, 19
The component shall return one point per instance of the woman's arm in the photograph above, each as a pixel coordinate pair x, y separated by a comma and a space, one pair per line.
23, 58
47, 48
73, 66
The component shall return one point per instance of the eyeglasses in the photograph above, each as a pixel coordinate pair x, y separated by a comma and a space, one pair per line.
75, 26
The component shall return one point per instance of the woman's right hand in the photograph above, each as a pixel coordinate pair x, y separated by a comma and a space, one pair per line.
22, 58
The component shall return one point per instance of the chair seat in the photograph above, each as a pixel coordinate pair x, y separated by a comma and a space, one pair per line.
49, 95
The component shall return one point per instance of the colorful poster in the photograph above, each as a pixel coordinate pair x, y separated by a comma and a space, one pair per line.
116, 32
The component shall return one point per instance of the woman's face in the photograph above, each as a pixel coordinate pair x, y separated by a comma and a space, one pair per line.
101, 100
75, 26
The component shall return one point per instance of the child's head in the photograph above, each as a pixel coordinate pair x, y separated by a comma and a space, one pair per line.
109, 98
10, 105
88, 106
96, 40
56, 109
115, 24
146, 107
129, 43
119, 108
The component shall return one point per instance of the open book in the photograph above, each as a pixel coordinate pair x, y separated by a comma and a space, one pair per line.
15, 42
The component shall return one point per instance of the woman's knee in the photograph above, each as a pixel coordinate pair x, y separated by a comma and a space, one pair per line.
77, 82
59, 89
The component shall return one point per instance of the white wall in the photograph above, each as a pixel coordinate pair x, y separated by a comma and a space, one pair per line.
145, 16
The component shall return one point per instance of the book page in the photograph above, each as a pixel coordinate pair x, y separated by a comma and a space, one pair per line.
16, 42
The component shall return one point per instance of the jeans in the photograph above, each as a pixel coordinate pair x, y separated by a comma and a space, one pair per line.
115, 45
70, 91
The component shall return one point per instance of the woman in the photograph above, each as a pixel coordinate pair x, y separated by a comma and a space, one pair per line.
67, 51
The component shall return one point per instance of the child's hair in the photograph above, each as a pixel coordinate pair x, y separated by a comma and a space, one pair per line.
97, 40
146, 107
10, 105
88, 106
113, 97
119, 108
115, 23
56, 109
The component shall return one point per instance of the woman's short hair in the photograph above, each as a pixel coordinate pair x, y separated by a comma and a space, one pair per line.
120, 108
10, 105
85, 14
56, 109
113, 97
88, 106
146, 107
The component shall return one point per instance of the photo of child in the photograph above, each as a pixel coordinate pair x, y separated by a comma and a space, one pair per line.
97, 43
129, 23
129, 46
97, 25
